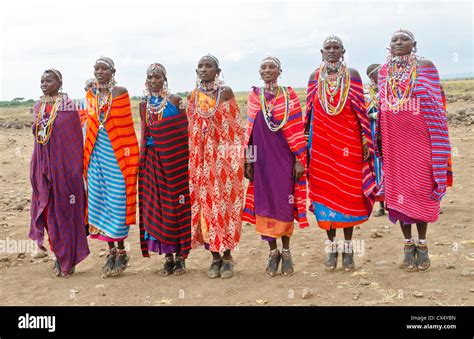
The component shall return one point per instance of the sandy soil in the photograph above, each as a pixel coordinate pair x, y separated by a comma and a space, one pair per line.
378, 280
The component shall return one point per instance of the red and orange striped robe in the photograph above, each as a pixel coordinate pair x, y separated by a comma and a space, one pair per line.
122, 136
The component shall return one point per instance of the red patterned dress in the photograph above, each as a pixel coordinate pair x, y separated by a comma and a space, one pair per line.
216, 172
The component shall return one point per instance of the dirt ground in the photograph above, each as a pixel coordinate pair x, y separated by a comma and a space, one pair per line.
378, 280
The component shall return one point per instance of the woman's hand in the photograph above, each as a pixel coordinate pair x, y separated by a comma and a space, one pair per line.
366, 151
298, 171
248, 171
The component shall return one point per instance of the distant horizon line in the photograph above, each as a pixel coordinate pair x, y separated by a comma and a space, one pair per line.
452, 76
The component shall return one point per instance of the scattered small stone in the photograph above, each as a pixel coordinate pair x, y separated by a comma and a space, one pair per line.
459, 226
450, 267
165, 301
101, 289
381, 263
356, 296
467, 272
21, 255
306, 293
374, 234
92, 304
45, 260
102, 253
471, 290
364, 282
19, 207
304, 254
40, 255
5, 259
418, 294
451, 201
471, 255
466, 219
261, 302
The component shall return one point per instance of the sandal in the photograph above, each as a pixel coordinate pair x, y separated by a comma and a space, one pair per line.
110, 262
273, 263
168, 266
422, 258
227, 268
348, 257
286, 263
348, 261
214, 270
409, 263
331, 259
57, 269
180, 267
121, 262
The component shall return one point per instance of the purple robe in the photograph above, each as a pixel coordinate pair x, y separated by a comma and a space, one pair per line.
273, 172
58, 199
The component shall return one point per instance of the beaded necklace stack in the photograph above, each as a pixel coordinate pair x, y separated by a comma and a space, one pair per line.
45, 122
268, 109
401, 73
334, 85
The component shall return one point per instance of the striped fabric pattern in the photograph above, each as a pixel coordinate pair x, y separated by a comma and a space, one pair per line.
415, 140
106, 190
334, 135
164, 205
294, 134
121, 132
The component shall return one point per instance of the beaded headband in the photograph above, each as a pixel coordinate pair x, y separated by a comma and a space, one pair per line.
272, 60
376, 69
406, 33
333, 38
156, 67
210, 56
56, 72
106, 61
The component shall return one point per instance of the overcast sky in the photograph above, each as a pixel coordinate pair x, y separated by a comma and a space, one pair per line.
71, 35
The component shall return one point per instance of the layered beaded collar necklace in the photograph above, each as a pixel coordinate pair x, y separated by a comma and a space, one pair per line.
401, 78
154, 108
208, 89
103, 100
268, 110
44, 121
332, 85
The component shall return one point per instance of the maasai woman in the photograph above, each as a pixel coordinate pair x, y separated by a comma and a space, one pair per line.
110, 164
414, 144
58, 200
276, 194
163, 190
341, 177
216, 167
372, 102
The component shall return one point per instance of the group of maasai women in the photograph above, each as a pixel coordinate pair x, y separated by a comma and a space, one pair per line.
189, 167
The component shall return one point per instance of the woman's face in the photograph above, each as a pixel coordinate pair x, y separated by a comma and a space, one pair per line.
269, 72
207, 69
50, 84
332, 52
155, 81
401, 45
102, 73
